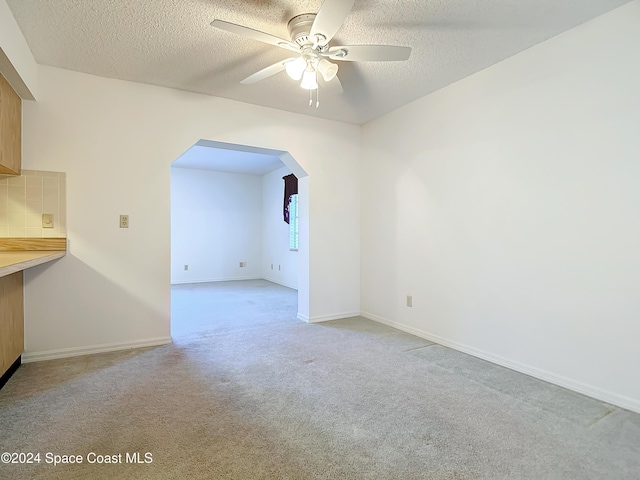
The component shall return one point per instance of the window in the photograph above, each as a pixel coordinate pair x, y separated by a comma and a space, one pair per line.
293, 223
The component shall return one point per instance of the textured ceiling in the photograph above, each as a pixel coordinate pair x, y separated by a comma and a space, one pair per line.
170, 43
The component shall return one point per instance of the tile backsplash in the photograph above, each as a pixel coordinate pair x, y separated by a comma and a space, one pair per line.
23, 200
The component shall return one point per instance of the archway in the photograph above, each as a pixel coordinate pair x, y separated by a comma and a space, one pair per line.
215, 229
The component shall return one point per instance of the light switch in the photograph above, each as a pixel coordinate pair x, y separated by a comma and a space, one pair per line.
47, 220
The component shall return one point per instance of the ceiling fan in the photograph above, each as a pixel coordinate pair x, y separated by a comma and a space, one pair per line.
310, 36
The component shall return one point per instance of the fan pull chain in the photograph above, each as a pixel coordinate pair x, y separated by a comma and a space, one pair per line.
317, 98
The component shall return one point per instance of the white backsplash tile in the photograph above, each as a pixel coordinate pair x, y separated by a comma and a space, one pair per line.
4, 197
23, 200
33, 219
19, 180
16, 232
34, 181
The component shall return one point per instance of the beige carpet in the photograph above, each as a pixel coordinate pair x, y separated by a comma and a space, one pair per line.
248, 392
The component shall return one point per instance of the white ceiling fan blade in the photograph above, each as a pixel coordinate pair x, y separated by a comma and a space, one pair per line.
368, 53
255, 35
330, 18
266, 72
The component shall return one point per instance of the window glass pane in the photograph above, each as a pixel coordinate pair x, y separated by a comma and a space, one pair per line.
293, 223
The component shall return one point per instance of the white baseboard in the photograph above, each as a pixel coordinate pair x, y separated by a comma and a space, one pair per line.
272, 280
214, 279
328, 318
233, 279
28, 357
302, 317
571, 384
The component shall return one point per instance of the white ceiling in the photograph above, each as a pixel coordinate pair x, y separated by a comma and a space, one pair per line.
208, 155
170, 43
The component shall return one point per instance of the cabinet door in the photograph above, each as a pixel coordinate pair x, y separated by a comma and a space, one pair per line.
10, 129
11, 320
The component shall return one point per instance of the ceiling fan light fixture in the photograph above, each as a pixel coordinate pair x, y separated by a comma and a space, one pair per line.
295, 68
327, 69
311, 35
309, 79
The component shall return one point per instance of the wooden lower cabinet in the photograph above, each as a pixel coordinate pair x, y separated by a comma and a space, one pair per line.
11, 320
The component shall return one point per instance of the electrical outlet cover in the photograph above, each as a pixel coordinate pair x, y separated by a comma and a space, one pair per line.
47, 220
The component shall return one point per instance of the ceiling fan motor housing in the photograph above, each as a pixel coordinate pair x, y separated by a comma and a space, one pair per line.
299, 28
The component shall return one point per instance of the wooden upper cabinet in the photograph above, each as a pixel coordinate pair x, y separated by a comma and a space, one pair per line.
10, 129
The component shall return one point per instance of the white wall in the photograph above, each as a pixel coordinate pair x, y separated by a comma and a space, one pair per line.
279, 264
116, 141
507, 205
216, 223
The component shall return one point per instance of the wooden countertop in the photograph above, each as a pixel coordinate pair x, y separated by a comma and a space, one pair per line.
14, 261
17, 254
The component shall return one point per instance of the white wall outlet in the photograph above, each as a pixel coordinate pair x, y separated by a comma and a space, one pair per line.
186, 267
124, 221
409, 301
243, 264
47, 220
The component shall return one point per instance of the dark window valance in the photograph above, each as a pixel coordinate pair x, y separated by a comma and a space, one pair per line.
290, 188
